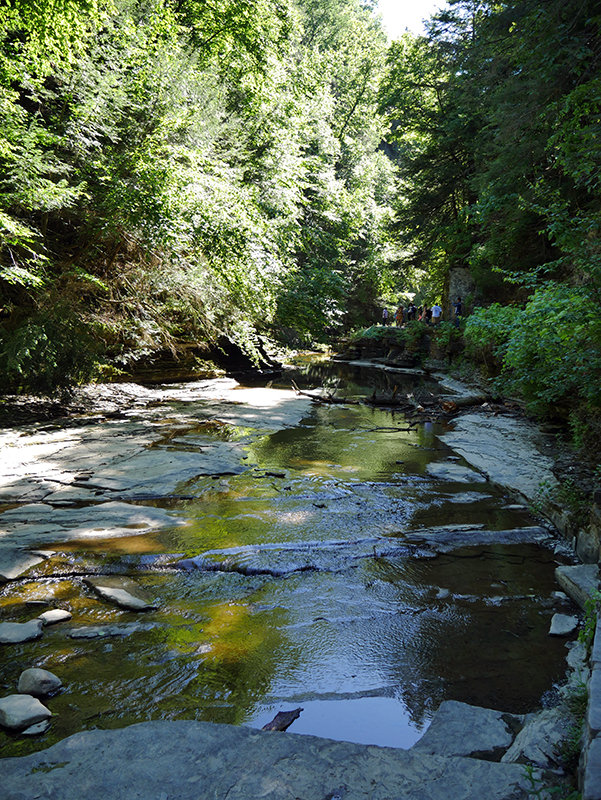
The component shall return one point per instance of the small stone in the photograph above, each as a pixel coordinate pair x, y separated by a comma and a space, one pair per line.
563, 625
38, 682
17, 632
18, 711
55, 615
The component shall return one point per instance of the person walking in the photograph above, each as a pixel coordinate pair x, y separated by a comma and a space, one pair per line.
384, 316
436, 314
399, 316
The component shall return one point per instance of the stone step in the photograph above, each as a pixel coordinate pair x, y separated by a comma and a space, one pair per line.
187, 760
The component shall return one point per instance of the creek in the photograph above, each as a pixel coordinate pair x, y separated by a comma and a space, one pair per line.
298, 598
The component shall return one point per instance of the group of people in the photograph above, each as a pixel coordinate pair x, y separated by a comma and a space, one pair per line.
429, 315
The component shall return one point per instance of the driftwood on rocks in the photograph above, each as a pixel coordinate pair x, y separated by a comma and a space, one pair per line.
282, 720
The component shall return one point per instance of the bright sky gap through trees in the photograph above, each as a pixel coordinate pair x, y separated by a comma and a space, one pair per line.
397, 15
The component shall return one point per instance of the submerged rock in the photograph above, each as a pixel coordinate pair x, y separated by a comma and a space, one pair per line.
38, 682
18, 711
122, 591
104, 631
449, 471
37, 729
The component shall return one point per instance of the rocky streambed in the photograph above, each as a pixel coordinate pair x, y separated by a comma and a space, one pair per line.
216, 553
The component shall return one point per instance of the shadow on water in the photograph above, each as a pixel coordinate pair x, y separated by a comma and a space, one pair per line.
367, 645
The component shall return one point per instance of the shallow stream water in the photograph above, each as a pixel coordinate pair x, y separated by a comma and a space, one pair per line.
367, 644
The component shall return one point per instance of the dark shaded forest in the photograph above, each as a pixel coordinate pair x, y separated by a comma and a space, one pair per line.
173, 172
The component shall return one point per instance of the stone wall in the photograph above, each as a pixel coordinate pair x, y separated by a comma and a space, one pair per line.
584, 538
579, 582
459, 284
590, 759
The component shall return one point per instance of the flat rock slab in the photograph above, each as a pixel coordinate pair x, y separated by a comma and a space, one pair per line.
458, 729
189, 760
19, 711
283, 558
591, 789
15, 562
507, 450
579, 581
124, 592
35, 522
17, 632
445, 541
449, 471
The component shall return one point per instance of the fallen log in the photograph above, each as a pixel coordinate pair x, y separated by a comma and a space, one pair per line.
328, 398
282, 720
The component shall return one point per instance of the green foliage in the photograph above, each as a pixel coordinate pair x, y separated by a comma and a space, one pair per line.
551, 349
48, 353
444, 333
192, 168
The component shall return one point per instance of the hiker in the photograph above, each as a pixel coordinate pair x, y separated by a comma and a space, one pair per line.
436, 314
384, 316
399, 316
